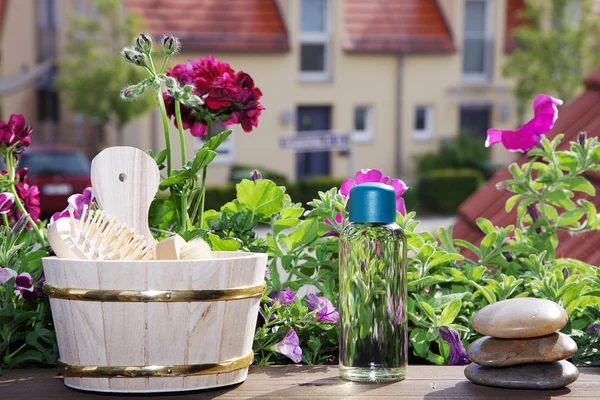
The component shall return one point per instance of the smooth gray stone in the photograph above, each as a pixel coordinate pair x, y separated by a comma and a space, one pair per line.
493, 352
544, 376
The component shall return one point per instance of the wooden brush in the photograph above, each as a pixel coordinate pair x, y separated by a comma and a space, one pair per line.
97, 236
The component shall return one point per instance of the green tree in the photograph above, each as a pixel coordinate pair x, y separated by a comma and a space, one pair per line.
92, 71
557, 46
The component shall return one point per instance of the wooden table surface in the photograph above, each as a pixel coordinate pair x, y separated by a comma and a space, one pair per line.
317, 382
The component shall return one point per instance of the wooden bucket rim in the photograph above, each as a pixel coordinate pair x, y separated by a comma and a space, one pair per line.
229, 256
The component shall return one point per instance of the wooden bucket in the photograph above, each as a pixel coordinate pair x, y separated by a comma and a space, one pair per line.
155, 326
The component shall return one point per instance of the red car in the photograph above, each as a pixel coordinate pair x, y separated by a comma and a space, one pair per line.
59, 171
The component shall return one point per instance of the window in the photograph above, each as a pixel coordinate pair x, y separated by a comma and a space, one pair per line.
315, 40
423, 127
226, 151
478, 45
363, 124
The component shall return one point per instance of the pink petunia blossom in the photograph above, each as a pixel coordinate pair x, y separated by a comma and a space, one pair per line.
325, 311
76, 202
24, 281
545, 110
6, 274
374, 175
290, 346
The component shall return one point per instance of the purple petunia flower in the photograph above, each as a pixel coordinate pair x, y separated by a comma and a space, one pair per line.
374, 175
523, 139
458, 354
290, 346
594, 328
36, 292
76, 203
287, 296
6, 274
24, 281
6, 202
397, 314
325, 311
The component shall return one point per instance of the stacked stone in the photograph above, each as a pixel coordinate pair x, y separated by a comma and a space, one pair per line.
523, 348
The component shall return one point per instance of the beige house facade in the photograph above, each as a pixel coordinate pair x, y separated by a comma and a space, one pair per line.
399, 77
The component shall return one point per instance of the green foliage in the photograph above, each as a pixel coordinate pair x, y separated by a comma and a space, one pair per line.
92, 72
463, 151
443, 190
554, 50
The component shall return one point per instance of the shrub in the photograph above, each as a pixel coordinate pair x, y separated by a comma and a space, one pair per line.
443, 190
216, 196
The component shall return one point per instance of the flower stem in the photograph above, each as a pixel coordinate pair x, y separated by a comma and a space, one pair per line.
10, 166
204, 174
165, 120
5, 220
184, 198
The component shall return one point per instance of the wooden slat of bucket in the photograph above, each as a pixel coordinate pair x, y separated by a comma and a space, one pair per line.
61, 315
87, 320
240, 316
205, 322
167, 336
125, 322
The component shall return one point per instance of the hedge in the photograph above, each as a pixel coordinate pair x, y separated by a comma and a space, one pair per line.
443, 190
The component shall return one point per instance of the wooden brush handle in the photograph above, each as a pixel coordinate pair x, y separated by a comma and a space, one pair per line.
125, 181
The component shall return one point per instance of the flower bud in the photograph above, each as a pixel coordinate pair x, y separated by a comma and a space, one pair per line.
565, 273
188, 88
594, 328
6, 201
256, 175
170, 82
170, 45
129, 55
129, 93
581, 138
141, 60
143, 44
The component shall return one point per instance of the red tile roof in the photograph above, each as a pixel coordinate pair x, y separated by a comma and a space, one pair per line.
396, 26
514, 20
217, 25
581, 114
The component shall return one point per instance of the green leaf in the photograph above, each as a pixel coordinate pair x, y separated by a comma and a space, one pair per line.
489, 296
157, 212
175, 178
443, 259
510, 203
485, 225
284, 224
214, 142
567, 161
420, 345
306, 233
292, 212
450, 312
202, 159
160, 157
571, 217
263, 197
579, 184
487, 242
428, 310
225, 244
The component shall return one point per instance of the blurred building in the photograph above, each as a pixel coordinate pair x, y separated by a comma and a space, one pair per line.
399, 76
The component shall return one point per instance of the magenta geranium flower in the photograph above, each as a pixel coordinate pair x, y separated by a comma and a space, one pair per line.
6, 202
287, 296
374, 175
325, 311
6, 274
29, 195
76, 202
545, 110
290, 346
458, 354
16, 133
24, 281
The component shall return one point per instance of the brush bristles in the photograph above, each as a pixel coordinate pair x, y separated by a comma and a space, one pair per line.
102, 237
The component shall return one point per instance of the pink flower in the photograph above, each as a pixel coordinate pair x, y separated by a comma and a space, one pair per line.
24, 281
6, 274
339, 219
76, 203
16, 133
326, 312
229, 96
374, 175
29, 195
290, 346
287, 296
6, 202
523, 139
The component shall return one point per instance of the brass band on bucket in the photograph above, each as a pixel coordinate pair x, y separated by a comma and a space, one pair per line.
147, 296
156, 371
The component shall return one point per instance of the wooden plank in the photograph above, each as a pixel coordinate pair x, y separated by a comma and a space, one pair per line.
125, 322
316, 382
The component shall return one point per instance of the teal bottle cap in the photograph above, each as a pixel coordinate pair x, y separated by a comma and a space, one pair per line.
372, 202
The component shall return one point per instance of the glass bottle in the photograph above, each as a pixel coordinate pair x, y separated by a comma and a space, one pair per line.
372, 303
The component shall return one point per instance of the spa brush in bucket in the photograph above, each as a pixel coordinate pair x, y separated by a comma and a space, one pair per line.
151, 326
